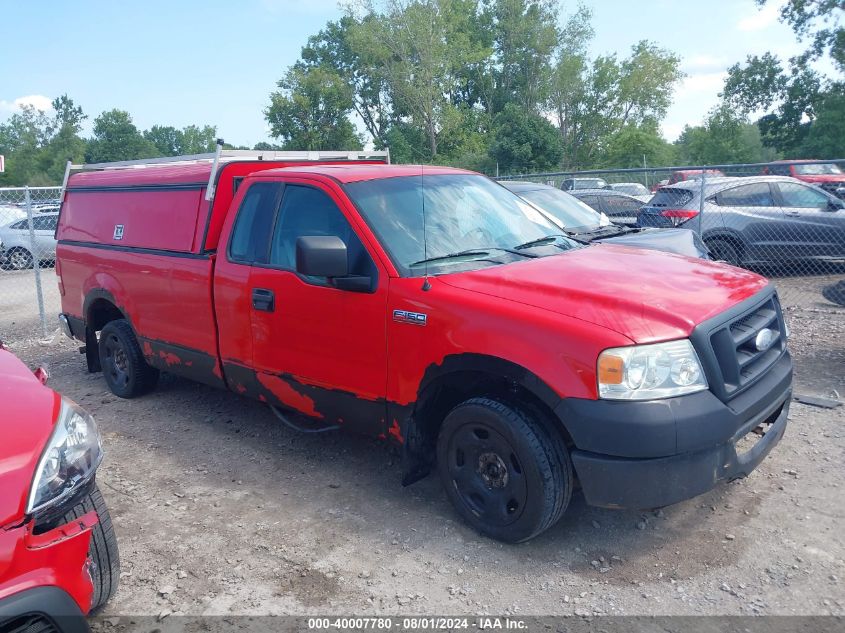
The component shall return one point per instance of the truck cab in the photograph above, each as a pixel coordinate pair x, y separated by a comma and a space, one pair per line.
431, 307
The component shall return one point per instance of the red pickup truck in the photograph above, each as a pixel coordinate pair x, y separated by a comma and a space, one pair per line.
432, 307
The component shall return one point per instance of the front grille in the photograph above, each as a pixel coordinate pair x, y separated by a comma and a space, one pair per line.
28, 624
734, 345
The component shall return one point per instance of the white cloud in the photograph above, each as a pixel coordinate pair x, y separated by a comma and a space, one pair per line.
760, 20
711, 83
39, 102
705, 63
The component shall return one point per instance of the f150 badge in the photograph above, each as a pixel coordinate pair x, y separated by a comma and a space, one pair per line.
415, 318
118, 231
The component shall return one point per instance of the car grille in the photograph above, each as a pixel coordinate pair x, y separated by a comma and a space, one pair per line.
734, 345
29, 624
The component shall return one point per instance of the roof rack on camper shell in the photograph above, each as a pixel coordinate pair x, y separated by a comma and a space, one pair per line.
227, 155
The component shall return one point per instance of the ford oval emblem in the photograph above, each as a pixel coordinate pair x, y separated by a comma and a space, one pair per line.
764, 339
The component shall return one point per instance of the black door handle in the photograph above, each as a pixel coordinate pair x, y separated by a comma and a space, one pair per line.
263, 299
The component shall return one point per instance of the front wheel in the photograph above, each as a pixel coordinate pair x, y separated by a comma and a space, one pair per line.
19, 259
103, 552
509, 476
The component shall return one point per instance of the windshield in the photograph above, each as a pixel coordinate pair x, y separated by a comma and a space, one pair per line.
568, 210
589, 183
822, 169
631, 188
463, 213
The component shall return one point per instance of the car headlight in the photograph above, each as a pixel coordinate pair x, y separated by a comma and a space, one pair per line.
71, 457
648, 372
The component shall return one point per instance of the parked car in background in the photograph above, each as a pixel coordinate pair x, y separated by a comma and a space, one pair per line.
754, 220
828, 176
659, 184
585, 223
635, 189
571, 184
681, 175
17, 250
58, 553
619, 207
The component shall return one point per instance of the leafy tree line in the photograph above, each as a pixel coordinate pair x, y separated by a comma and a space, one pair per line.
474, 83
37, 145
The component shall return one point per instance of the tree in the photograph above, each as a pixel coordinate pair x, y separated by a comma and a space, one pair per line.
192, 139
725, 137
310, 112
116, 138
633, 143
792, 94
525, 39
166, 138
524, 141
826, 136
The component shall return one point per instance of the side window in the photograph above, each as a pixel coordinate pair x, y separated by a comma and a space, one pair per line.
795, 195
779, 170
307, 211
44, 223
19, 225
754, 195
593, 201
617, 205
254, 223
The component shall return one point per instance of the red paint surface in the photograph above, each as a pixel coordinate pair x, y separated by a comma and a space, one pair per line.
28, 411
288, 396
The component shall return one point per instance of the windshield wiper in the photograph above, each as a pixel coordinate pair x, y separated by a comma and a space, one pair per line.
547, 239
469, 252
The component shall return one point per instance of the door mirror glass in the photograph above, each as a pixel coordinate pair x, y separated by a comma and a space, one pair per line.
321, 256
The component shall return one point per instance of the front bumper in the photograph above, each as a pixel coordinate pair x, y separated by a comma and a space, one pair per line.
41, 609
46, 575
654, 453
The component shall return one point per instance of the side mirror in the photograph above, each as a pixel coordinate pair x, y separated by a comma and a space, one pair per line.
321, 256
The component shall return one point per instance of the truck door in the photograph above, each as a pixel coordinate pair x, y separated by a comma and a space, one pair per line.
318, 349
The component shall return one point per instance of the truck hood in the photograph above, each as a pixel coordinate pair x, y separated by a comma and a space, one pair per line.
645, 295
679, 241
28, 411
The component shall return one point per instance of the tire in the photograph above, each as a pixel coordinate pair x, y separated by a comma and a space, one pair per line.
103, 551
19, 258
506, 474
124, 368
724, 250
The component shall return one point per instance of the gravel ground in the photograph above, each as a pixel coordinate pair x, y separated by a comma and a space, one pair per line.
221, 510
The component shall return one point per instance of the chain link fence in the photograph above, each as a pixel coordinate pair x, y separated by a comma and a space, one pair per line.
785, 220
29, 295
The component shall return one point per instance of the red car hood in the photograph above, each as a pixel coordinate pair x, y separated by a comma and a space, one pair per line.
28, 411
646, 295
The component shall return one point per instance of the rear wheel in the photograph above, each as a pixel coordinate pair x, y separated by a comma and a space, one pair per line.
103, 552
507, 475
126, 372
724, 250
19, 259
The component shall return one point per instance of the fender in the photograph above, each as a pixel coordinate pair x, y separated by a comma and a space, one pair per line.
102, 285
415, 425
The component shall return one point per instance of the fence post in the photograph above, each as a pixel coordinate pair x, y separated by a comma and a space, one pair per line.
701, 200
36, 262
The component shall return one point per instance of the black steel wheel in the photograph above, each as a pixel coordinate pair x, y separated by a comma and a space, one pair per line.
124, 368
19, 259
506, 474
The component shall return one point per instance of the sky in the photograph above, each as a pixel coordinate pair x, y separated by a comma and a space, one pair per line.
215, 62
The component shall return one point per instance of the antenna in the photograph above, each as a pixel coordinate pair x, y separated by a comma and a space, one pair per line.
426, 285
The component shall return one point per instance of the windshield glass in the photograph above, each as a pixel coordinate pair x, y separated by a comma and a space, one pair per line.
631, 188
823, 169
463, 212
589, 183
568, 210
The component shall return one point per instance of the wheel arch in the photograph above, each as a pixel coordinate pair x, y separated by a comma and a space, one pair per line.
99, 308
460, 377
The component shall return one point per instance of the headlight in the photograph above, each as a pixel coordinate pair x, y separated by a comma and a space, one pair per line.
648, 372
70, 458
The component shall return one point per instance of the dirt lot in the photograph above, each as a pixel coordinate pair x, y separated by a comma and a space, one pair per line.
221, 510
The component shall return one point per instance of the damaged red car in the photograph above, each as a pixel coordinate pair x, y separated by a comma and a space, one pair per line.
58, 553
432, 307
